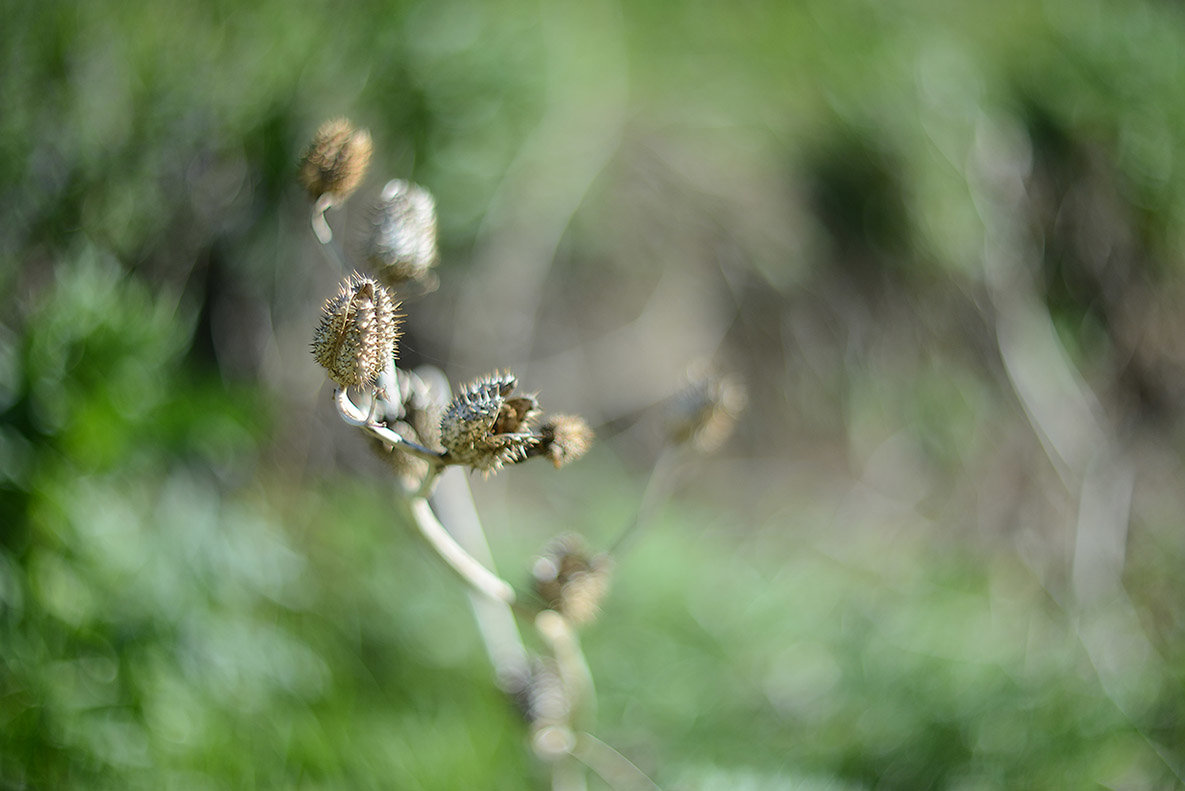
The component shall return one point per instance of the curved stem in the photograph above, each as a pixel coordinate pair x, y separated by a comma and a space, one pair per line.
611, 766
321, 227
568, 775
564, 645
453, 505
468, 568
324, 234
354, 416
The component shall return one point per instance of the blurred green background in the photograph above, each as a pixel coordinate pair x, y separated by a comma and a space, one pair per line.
941, 243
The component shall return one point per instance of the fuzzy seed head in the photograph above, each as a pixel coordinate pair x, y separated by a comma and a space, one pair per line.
402, 241
544, 700
571, 580
484, 428
704, 412
336, 160
357, 334
565, 438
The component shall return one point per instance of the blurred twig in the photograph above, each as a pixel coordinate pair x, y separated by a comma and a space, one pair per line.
549, 178
611, 766
659, 485
1082, 446
495, 619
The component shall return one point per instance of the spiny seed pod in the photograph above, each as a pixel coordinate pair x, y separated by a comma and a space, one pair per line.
402, 241
357, 334
563, 439
336, 160
704, 412
570, 580
484, 428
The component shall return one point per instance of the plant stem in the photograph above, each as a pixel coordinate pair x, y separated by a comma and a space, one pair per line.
453, 502
577, 679
321, 228
472, 572
354, 416
568, 775
611, 766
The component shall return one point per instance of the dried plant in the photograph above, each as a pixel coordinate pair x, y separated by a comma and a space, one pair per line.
336, 160
421, 429
401, 245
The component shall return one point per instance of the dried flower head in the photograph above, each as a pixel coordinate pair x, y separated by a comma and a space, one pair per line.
563, 439
571, 580
546, 703
336, 160
484, 428
357, 334
704, 412
543, 699
402, 241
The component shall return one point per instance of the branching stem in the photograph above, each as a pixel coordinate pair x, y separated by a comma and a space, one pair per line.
354, 416
564, 645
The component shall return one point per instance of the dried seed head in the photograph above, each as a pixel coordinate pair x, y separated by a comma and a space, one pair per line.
357, 334
485, 429
402, 241
704, 412
545, 703
564, 439
571, 580
336, 160
543, 700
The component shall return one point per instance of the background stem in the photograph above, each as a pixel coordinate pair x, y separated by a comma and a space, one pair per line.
453, 501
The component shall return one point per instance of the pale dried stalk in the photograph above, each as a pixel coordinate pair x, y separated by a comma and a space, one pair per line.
465, 565
611, 766
453, 503
354, 416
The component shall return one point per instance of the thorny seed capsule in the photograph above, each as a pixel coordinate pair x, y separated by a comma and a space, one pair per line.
485, 429
402, 241
336, 160
358, 331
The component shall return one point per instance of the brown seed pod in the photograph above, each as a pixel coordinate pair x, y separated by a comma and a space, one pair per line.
571, 580
358, 331
336, 160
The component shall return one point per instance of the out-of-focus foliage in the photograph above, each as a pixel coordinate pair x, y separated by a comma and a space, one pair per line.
936, 555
